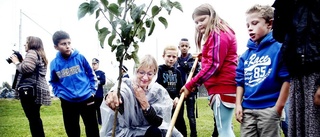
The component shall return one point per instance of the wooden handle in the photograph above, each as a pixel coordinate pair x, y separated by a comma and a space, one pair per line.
176, 111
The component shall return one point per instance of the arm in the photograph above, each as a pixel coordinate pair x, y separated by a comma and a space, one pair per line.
152, 117
89, 72
102, 78
284, 92
239, 109
29, 63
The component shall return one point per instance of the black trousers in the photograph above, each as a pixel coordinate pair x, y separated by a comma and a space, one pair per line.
97, 102
72, 111
32, 112
190, 104
180, 123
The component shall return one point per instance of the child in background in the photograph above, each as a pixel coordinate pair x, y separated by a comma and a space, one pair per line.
218, 65
170, 78
73, 81
262, 79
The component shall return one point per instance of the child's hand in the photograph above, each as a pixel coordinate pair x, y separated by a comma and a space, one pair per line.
112, 100
239, 113
317, 97
186, 91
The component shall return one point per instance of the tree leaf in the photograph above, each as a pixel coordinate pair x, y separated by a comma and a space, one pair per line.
113, 8
151, 28
98, 13
155, 10
83, 9
120, 51
148, 22
97, 25
166, 5
120, 1
136, 12
105, 4
135, 57
142, 34
94, 5
110, 39
163, 21
177, 5
102, 34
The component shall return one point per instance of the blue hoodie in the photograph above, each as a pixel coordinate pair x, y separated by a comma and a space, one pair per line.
261, 73
72, 79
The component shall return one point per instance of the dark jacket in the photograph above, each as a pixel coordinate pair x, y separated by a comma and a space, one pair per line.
102, 80
170, 79
297, 25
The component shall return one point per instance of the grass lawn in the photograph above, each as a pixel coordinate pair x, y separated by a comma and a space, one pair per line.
13, 122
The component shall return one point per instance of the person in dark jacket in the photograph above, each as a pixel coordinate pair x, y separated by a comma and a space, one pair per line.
184, 65
170, 78
101, 78
297, 25
35, 60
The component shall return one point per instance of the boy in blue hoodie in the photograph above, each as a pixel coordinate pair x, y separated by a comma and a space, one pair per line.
262, 79
72, 80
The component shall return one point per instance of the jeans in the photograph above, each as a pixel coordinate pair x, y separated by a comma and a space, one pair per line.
32, 112
71, 116
190, 104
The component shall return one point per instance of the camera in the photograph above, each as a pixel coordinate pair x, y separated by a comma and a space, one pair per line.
17, 53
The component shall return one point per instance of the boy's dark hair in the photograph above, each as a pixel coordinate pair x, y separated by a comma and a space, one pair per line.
184, 39
59, 35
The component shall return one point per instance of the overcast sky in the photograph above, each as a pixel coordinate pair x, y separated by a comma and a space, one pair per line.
43, 17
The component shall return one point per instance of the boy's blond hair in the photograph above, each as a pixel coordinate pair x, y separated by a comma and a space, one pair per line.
265, 11
170, 47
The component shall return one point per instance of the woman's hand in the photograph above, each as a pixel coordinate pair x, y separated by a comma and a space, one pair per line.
317, 96
14, 58
112, 100
140, 94
185, 91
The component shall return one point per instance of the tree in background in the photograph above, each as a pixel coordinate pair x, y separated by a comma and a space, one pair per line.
130, 24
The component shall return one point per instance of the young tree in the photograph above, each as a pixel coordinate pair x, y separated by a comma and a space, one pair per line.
130, 24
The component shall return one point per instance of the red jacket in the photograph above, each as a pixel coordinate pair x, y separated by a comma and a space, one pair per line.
219, 62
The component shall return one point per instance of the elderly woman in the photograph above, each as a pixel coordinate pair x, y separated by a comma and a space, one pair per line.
144, 106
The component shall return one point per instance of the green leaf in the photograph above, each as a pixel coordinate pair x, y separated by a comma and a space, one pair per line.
135, 57
155, 10
120, 51
102, 34
163, 21
142, 34
166, 5
151, 28
98, 13
105, 4
83, 9
93, 6
120, 1
178, 6
113, 8
97, 25
148, 22
136, 46
136, 12
113, 47
111, 38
